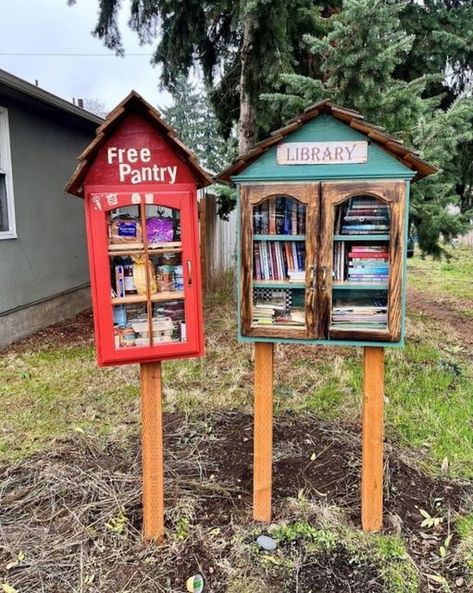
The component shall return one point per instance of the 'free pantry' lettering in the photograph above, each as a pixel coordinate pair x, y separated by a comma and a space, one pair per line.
128, 160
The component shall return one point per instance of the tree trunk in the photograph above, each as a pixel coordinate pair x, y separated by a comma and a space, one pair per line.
247, 123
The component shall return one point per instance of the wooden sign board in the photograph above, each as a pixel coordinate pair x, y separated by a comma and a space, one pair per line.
322, 153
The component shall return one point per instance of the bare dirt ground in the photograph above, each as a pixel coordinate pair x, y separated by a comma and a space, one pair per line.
70, 517
75, 511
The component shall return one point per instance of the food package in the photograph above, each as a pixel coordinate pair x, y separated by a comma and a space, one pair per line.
160, 229
139, 276
125, 230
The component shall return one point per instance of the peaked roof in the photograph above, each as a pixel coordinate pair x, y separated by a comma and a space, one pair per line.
132, 103
407, 156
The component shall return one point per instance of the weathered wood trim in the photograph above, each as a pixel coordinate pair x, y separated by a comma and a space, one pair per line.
246, 277
311, 265
393, 194
251, 195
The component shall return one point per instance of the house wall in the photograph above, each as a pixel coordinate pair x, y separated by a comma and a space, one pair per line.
48, 258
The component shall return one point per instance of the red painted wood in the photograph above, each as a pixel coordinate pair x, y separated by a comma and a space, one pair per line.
177, 190
136, 132
97, 209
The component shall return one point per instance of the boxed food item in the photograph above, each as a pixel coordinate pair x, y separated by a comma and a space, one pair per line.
125, 230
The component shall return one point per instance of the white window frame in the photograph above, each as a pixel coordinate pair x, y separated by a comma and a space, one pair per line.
6, 169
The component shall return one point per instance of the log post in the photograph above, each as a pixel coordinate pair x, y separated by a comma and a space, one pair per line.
152, 451
263, 432
373, 434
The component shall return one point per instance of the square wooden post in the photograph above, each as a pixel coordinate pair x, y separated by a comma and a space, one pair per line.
373, 434
263, 431
152, 451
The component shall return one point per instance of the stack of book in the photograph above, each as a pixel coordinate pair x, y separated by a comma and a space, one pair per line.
368, 263
274, 308
363, 216
279, 216
359, 316
279, 260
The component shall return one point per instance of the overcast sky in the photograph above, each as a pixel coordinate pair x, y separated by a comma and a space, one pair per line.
51, 27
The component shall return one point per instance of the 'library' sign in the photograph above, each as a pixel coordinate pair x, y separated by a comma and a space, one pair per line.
322, 153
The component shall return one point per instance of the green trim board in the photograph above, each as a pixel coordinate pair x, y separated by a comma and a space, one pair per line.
279, 237
342, 287
325, 128
360, 238
349, 343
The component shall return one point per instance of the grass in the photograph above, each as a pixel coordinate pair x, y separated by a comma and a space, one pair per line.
49, 392
304, 547
452, 278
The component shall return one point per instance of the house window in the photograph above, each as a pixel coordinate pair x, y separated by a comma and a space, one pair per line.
7, 211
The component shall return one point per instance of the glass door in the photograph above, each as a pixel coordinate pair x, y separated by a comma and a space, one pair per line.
147, 284
362, 228
278, 267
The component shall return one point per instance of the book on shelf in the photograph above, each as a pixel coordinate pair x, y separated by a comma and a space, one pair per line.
361, 312
279, 215
278, 260
362, 216
360, 263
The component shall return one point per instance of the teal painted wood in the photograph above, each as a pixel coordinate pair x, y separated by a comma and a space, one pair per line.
325, 128
404, 256
279, 237
359, 238
356, 343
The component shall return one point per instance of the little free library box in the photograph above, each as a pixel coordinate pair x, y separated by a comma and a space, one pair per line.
323, 206
139, 186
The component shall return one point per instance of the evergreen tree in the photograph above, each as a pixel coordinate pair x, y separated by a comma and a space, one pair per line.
359, 55
241, 47
194, 119
443, 43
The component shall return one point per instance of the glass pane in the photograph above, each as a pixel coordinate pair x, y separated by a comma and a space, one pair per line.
361, 264
131, 327
3, 204
124, 228
279, 260
278, 307
362, 215
163, 227
279, 215
358, 309
169, 322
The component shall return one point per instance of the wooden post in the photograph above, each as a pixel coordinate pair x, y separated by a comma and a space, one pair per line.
152, 451
373, 433
263, 432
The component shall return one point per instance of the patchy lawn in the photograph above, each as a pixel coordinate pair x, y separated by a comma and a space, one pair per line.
70, 491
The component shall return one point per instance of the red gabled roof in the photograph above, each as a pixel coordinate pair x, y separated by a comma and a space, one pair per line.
133, 103
407, 156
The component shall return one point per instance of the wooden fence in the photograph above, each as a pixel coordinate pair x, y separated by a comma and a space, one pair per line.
217, 242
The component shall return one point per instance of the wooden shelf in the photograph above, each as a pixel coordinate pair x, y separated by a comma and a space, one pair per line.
360, 286
279, 237
171, 295
277, 284
138, 249
357, 238
129, 299
155, 298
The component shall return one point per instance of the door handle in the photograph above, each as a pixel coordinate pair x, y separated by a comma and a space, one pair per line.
313, 277
323, 284
189, 272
